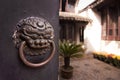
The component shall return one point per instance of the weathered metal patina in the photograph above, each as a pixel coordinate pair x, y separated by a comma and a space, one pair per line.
34, 37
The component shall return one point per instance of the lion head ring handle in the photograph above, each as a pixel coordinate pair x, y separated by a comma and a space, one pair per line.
34, 37
21, 53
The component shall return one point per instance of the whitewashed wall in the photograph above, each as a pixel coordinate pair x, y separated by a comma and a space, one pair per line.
92, 31
112, 47
92, 36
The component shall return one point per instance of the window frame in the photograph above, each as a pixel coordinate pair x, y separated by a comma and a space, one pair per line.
110, 23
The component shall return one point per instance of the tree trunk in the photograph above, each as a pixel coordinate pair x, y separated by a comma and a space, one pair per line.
66, 62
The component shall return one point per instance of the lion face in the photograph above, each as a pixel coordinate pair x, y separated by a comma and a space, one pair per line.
36, 32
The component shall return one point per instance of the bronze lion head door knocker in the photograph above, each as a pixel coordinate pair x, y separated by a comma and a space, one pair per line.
34, 39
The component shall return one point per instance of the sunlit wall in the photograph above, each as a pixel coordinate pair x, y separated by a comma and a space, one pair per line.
92, 31
92, 36
112, 47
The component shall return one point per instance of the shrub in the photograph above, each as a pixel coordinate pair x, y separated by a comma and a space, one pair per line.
108, 58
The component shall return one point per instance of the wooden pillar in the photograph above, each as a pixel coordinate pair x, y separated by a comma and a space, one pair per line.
67, 30
77, 36
60, 4
66, 5
119, 22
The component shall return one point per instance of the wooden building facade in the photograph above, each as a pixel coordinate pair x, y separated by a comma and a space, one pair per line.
105, 27
71, 25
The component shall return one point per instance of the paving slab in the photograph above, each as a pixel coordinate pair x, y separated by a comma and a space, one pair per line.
88, 68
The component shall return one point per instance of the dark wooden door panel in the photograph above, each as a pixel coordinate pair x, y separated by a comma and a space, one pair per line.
11, 66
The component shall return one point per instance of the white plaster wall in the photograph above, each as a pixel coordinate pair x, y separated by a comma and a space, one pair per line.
92, 33
111, 47
92, 36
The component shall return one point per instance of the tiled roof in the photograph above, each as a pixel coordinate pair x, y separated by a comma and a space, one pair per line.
72, 17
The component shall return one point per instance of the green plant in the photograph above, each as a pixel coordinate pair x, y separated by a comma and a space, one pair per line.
69, 49
108, 58
116, 62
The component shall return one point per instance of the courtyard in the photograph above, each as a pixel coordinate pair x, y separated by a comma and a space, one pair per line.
88, 68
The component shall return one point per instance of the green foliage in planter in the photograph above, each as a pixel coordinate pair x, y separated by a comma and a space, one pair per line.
70, 49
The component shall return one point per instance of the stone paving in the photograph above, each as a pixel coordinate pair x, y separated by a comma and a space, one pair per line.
88, 68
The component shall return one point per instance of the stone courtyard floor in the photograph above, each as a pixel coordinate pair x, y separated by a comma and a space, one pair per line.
88, 68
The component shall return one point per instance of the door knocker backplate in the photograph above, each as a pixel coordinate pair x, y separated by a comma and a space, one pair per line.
34, 37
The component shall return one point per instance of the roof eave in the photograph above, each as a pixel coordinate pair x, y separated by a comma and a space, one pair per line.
72, 17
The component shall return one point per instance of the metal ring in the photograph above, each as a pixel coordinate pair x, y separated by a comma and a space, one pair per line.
21, 53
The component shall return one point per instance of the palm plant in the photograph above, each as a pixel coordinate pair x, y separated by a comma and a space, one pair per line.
69, 49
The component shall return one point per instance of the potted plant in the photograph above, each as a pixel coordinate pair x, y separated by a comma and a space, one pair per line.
67, 50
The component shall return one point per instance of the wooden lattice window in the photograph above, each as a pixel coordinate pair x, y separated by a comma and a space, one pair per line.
111, 23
